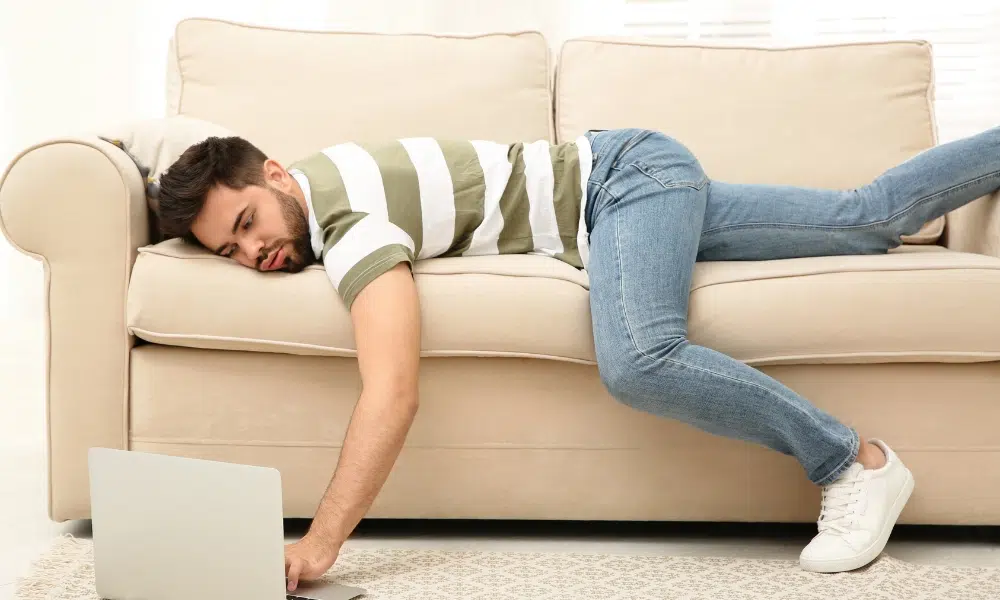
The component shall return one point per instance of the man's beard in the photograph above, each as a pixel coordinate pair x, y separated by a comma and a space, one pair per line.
298, 232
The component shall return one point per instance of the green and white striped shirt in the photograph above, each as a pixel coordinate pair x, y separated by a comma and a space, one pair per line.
372, 207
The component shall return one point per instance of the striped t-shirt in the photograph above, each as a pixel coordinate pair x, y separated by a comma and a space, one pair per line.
372, 207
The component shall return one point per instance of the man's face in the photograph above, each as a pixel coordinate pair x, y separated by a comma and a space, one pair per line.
261, 227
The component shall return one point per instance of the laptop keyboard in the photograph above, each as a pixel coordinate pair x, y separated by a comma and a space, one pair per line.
291, 597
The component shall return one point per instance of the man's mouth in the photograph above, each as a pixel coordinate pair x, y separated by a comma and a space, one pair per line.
276, 260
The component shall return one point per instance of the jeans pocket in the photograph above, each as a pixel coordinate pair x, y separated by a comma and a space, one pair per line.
639, 136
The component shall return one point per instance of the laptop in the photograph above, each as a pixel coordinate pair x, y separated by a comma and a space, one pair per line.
170, 528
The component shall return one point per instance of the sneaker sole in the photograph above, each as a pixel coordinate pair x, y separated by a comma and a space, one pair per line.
871, 552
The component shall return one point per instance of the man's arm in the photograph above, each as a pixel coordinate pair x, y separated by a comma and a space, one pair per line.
386, 317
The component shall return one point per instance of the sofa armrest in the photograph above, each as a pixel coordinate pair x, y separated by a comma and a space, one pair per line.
78, 205
975, 227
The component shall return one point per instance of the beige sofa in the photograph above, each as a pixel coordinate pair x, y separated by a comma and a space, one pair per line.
165, 348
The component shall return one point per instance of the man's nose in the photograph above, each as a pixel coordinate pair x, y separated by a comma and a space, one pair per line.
252, 249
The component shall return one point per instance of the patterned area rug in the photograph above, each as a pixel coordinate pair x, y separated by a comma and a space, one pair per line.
66, 572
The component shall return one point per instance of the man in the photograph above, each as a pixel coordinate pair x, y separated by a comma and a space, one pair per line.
635, 209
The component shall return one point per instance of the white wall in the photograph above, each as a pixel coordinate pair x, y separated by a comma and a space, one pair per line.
557, 19
22, 410
446, 16
64, 63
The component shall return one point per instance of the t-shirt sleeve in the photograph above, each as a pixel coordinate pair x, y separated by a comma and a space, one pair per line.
360, 247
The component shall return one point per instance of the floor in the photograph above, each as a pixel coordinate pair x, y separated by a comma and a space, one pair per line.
25, 531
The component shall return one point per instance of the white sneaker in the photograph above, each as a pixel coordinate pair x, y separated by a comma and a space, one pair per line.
858, 513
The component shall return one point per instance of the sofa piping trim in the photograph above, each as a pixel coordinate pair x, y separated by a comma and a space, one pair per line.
331, 351
833, 271
483, 446
933, 356
418, 271
627, 41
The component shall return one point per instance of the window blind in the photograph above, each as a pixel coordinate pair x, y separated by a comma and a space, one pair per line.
963, 35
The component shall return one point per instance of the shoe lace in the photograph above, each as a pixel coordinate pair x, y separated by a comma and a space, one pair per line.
839, 506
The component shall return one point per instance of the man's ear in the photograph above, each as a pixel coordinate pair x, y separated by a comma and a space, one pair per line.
276, 175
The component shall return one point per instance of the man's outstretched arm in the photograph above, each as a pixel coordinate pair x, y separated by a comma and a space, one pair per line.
386, 317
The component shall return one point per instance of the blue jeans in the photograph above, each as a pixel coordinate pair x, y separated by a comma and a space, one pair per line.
652, 212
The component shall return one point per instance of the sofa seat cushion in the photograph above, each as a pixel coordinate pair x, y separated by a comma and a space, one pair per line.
919, 304
916, 304
529, 306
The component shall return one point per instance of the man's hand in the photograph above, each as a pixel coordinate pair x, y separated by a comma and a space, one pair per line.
308, 558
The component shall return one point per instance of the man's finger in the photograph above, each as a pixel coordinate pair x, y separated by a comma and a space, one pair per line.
294, 571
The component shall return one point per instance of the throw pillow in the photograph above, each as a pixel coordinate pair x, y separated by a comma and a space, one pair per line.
155, 144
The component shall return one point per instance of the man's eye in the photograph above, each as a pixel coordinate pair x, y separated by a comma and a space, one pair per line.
248, 223
228, 253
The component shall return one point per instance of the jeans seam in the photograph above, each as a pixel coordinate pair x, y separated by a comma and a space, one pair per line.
604, 189
621, 282
925, 199
845, 464
874, 225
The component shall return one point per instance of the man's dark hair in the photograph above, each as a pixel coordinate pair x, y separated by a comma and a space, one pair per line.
230, 161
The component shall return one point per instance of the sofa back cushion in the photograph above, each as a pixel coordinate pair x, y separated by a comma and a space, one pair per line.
295, 92
832, 117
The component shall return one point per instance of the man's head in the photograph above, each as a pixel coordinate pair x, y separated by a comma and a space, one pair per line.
227, 196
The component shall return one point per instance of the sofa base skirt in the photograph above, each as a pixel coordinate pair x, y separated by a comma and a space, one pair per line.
531, 439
